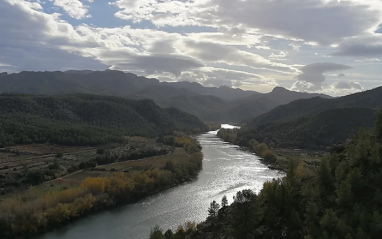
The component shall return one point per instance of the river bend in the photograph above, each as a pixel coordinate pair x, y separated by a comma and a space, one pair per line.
226, 170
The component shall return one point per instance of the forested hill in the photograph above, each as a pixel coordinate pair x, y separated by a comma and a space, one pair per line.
313, 131
83, 119
315, 123
218, 104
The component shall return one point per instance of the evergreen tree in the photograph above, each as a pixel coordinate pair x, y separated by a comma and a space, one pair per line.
213, 210
224, 201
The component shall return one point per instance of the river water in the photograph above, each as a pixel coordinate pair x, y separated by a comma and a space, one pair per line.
227, 169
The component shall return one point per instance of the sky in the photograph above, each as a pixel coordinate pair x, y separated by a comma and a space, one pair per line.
324, 46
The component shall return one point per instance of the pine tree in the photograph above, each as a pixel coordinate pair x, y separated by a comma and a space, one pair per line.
213, 210
224, 201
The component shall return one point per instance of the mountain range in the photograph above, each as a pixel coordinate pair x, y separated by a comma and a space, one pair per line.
212, 104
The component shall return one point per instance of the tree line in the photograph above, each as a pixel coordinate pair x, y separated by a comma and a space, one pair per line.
261, 149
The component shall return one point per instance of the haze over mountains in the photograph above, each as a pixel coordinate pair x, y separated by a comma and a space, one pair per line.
221, 104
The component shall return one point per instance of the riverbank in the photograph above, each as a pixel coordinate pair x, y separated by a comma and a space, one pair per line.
277, 159
226, 170
42, 208
261, 149
338, 199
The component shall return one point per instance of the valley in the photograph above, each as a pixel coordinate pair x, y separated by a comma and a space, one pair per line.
81, 146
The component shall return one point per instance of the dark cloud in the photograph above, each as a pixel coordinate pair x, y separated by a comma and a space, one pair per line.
45, 59
310, 20
312, 76
161, 63
370, 46
314, 72
209, 51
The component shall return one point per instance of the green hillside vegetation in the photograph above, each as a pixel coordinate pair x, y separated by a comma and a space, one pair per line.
315, 123
86, 119
341, 198
312, 131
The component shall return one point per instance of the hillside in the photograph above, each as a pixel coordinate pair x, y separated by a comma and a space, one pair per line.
313, 131
86, 119
315, 122
219, 104
369, 99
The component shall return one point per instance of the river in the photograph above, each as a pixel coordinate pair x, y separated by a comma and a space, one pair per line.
226, 170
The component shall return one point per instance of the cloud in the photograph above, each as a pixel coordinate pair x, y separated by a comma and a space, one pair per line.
217, 77
214, 77
74, 8
228, 37
312, 76
213, 53
34, 40
347, 85
245, 44
278, 56
343, 88
24, 60
365, 46
162, 13
152, 64
310, 20
369, 60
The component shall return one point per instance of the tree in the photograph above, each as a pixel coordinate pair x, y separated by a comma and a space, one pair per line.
35, 177
156, 233
224, 201
213, 209
244, 215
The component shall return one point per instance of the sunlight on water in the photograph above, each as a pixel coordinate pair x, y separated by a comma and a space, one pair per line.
226, 170
228, 126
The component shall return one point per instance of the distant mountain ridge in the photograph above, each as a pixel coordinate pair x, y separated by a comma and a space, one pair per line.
368, 99
218, 104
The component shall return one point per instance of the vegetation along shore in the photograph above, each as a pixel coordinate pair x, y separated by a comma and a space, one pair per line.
339, 198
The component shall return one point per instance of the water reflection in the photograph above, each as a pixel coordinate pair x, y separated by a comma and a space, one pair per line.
226, 170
